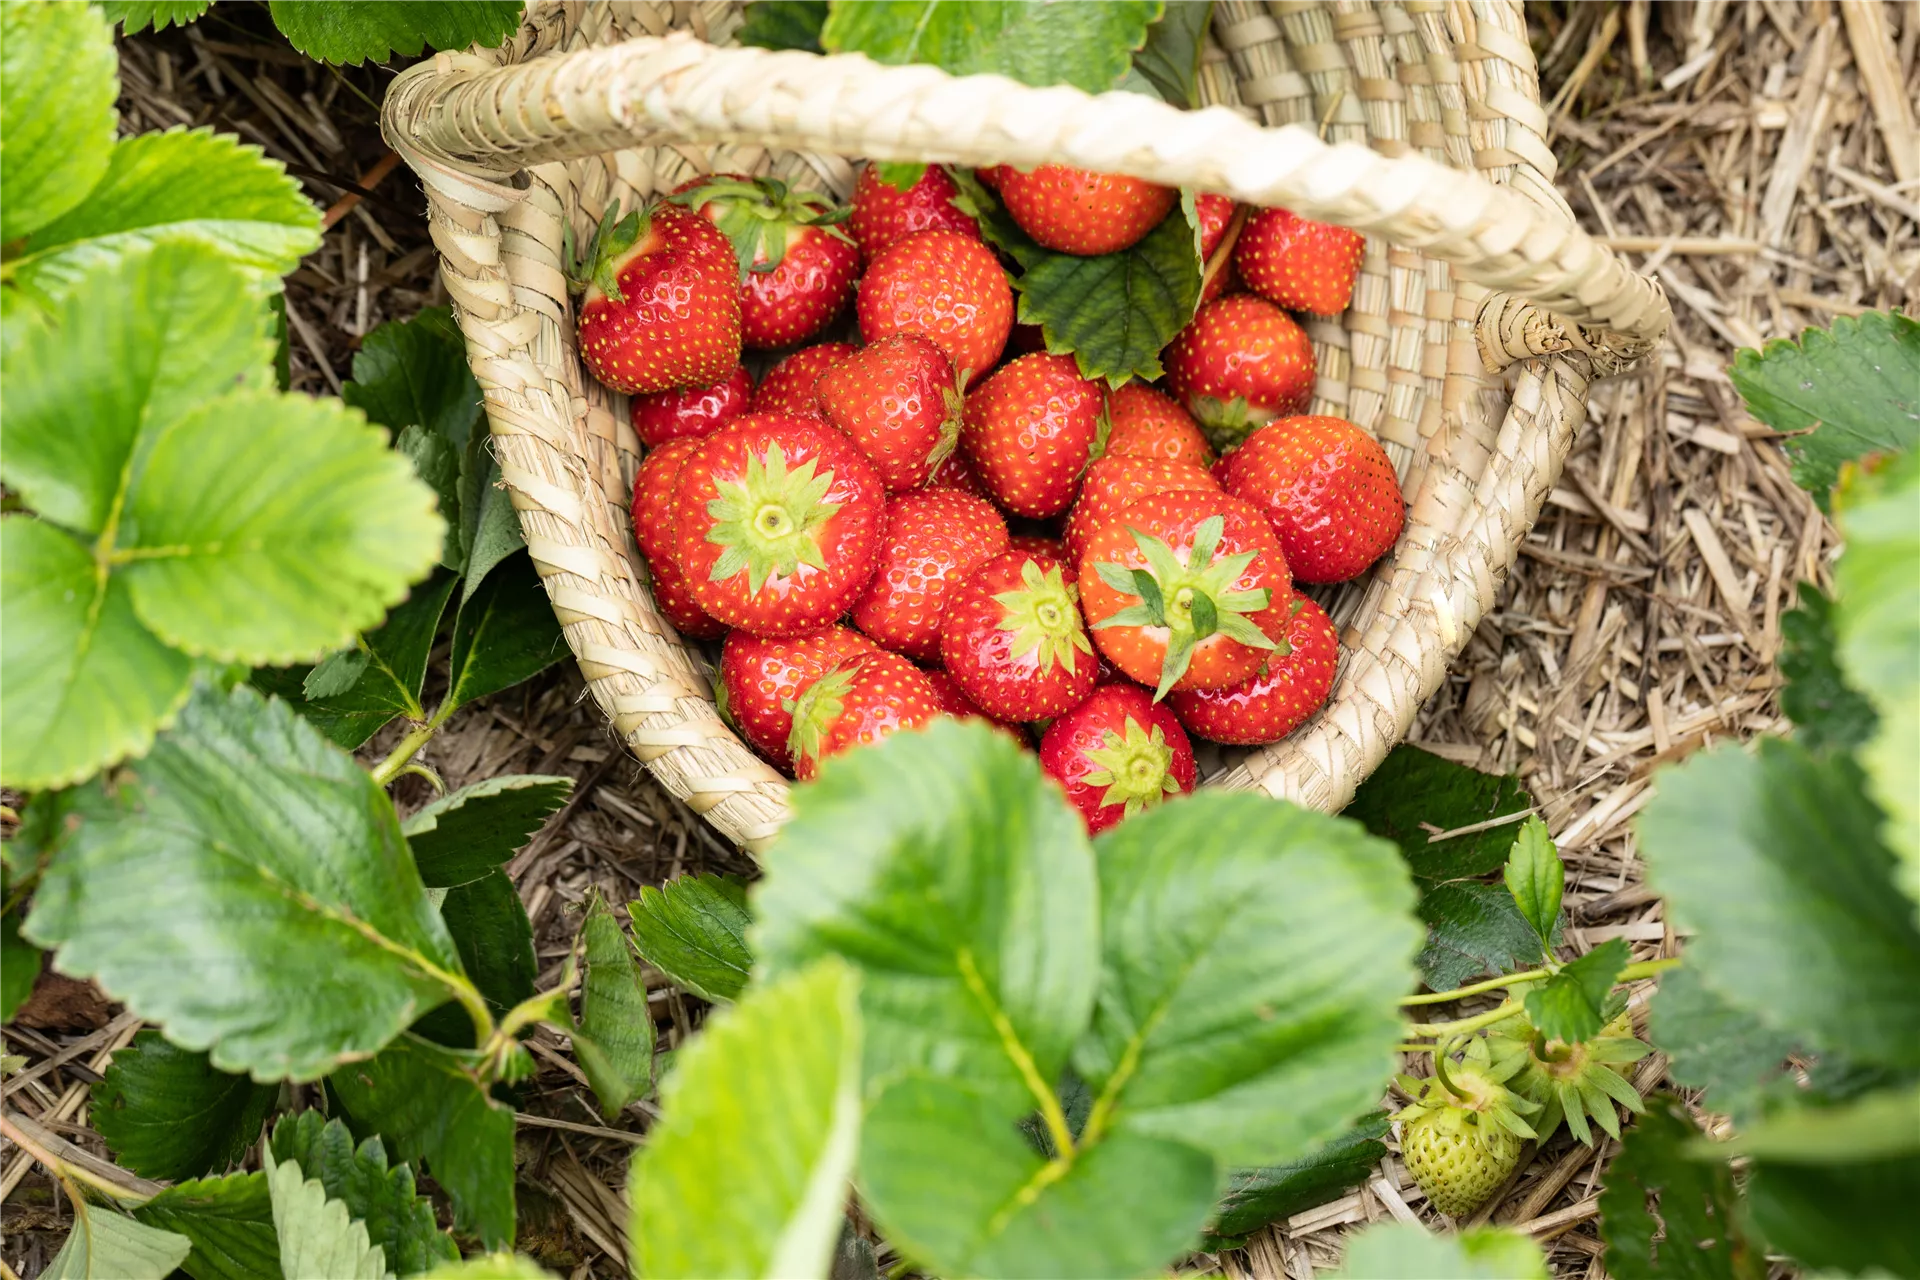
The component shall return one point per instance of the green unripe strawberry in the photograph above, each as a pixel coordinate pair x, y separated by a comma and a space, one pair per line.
1460, 1146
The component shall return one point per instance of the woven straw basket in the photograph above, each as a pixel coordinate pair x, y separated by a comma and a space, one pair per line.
1480, 317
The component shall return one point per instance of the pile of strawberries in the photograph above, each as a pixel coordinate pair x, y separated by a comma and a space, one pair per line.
915, 526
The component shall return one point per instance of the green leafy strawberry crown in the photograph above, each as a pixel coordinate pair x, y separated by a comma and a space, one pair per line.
1043, 613
1469, 1095
768, 522
1191, 599
1227, 423
613, 237
1135, 767
1570, 1082
756, 215
815, 710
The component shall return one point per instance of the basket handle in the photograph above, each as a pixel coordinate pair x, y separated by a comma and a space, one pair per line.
463, 123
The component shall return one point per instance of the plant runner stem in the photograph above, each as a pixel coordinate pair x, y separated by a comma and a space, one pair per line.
1443, 1030
417, 737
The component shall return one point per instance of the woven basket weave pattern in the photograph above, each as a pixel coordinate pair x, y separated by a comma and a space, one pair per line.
1443, 96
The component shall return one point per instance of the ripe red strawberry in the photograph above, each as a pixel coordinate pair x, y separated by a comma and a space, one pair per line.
1329, 490
790, 386
954, 701
1112, 483
945, 286
1174, 588
690, 411
661, 307
898, 400
1290, 685
932, 542
1241, 362
778, 522
1014, 639
1029, 431
1074, 211
796, 266
1146, 423
990, 176
653, 526
883, 214
1297, 263
856, 704
1215, 213
956, 473
1116, 754
759, 680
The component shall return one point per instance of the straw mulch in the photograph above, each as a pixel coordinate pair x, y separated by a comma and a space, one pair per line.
1760, 159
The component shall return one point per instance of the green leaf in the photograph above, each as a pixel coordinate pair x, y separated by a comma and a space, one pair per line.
616, 1029
353, 31
901, 176
490, 527
1415, 795
1827, 712
784, 24
230, 1222
1773, 861
1875, 1126
102, 1245
1702, 1239
1086, 45
1255, 1197
1710, 1045
1254, 954
956, 877
1405, 1251
355, 691
166, 1113
1114, 312
492, 1266
82, 683
57, 86
135, 16
414, 373
1473, 930
1170, 61
1877, 621
504, 633
438, 466
1859, 384
467, 833
20, 963
746, 1171
489, 925
179, 185
318, 1236
429, 1105
1536, 878
1854, 1218
1571, 1005
694, 930
383, 1200
247, 525
968, 1195
245, 867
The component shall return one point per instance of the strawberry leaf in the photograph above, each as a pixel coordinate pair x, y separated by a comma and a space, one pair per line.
1086, 45
1415, 795
1827, 712
384, 1200
1473, 930
1571, 1005
353, 31
746, 1172
135, 16
490, 929
504, 633
694, 930
1774, 861
318, 1236
1168, 65
1699, 1232
228, 1220
1396, 1250
784, 24
166, 1112
900, 176
1737, 1060
1536, 878
1271, 1193
102, 1243
57, 86
614, 1040
1858, 384
469, 833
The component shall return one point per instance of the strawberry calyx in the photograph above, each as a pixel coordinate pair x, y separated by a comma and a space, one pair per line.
954, 400
1135, 767
1226, 423
815, 710
1571, 1082
1467, 1094
757, 216
1191, 600
768, 521
1044, 615
599, 266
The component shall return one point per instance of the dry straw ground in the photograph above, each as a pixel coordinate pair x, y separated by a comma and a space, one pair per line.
1760, 158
